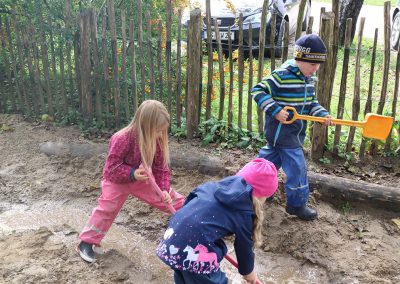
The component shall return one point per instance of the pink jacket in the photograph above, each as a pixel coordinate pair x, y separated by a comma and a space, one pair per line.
124, 154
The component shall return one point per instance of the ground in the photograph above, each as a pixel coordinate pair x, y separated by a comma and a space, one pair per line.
45, 201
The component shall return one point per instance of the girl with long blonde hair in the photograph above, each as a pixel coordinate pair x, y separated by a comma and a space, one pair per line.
139, 149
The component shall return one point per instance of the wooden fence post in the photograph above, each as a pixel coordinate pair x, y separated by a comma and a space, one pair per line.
124, 71
178, 89
141, 50
261, 45
221, 73
368, 104
133, 66
16, 100
310, 25
356, 96
272, 41
250, 83
85, 67
168, 55
96, 65
209, 61
285, 42
343, 84
150, 59
241, 71
159, 58
114, 57
193, 71
300, 17
231, 72
319, 131
68, 48
106, 77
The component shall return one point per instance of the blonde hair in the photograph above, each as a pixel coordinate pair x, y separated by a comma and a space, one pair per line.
257, 222
150, 117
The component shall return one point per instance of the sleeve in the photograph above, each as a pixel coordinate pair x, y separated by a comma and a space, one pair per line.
115, 169
244, 246
161, 171
317, 109
263, 95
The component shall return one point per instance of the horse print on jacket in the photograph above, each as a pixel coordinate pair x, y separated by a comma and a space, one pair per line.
196, 260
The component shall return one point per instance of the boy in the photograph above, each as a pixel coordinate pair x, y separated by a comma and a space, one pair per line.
292, 85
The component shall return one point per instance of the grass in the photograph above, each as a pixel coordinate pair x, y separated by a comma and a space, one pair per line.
368, 2
366, 55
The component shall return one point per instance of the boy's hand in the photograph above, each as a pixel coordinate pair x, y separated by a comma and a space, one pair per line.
328, 120
282, 116
140, 174
166, 197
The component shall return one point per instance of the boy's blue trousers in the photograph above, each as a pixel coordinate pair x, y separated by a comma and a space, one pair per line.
294, 165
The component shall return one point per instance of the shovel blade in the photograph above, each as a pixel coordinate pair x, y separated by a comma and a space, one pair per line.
377, 126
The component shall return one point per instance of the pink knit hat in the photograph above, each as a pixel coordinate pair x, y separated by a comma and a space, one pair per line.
262, 176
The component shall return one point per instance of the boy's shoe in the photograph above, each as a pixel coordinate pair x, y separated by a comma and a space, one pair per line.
86, 251
304, 212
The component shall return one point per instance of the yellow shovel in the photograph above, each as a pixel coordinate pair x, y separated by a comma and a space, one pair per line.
374, 125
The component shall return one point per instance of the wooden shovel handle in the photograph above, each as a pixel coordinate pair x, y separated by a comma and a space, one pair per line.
296, 116
157, 188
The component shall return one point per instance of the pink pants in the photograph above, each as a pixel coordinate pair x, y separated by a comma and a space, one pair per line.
113, 196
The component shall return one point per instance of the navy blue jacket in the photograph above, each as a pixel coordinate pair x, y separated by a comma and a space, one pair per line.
193, 241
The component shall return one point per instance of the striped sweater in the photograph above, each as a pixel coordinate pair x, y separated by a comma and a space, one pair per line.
286, 86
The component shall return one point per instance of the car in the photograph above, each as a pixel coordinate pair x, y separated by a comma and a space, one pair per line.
395, 31
227, 13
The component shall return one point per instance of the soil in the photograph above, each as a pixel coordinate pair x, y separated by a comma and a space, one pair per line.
45, 201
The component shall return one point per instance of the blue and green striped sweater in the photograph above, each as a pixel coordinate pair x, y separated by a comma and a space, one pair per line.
286, 86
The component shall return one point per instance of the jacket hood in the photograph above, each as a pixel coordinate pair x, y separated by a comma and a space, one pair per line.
234, 192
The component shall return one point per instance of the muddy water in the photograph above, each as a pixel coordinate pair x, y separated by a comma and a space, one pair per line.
67, 221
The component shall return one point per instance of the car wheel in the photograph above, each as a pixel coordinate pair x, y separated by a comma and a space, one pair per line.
395, 34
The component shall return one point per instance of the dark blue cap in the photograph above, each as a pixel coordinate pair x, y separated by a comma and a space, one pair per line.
310, 48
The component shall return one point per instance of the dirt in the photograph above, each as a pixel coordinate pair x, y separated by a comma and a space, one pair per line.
46, 199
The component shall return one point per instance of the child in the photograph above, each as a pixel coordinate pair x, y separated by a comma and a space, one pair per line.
142, 144
192, 245
292, 85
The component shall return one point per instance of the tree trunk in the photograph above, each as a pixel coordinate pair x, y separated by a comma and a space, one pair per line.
348, 9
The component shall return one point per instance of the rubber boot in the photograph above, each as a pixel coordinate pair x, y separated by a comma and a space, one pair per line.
86, 252
304, 212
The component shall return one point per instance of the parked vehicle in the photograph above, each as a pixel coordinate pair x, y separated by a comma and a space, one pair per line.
395, 33
227, 13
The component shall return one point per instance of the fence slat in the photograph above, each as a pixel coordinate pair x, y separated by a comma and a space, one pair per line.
16, 99
368, 104
141, 50
193, 71
240, 71
124, 75
209, 61
133, 66
178, 73
231, 73
8, 94
272, 41
221, 72
28, 56
114, 58
261, 45
300, 17
343, 84
62, 75
159, 59
96, 65
285, 42
150, 52
106, 77
68, 47
310, 24
319, 132
250, 83
168, 54
356, 96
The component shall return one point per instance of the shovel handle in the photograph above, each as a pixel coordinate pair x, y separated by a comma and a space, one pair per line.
234, 263
296, 116
157, 188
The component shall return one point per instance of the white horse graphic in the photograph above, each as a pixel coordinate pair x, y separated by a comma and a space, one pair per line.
191, 257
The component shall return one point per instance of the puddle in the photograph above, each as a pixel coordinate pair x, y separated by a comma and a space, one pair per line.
66, 221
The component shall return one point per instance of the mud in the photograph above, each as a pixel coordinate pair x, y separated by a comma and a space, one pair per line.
46, 199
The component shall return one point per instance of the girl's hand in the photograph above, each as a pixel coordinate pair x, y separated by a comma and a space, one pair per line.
282, 116
140, 174
251, 278
166, 197
328, 120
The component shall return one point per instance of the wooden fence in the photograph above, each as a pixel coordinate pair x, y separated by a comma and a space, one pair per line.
102, 74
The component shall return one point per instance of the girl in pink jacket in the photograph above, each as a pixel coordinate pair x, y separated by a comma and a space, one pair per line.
142, 144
